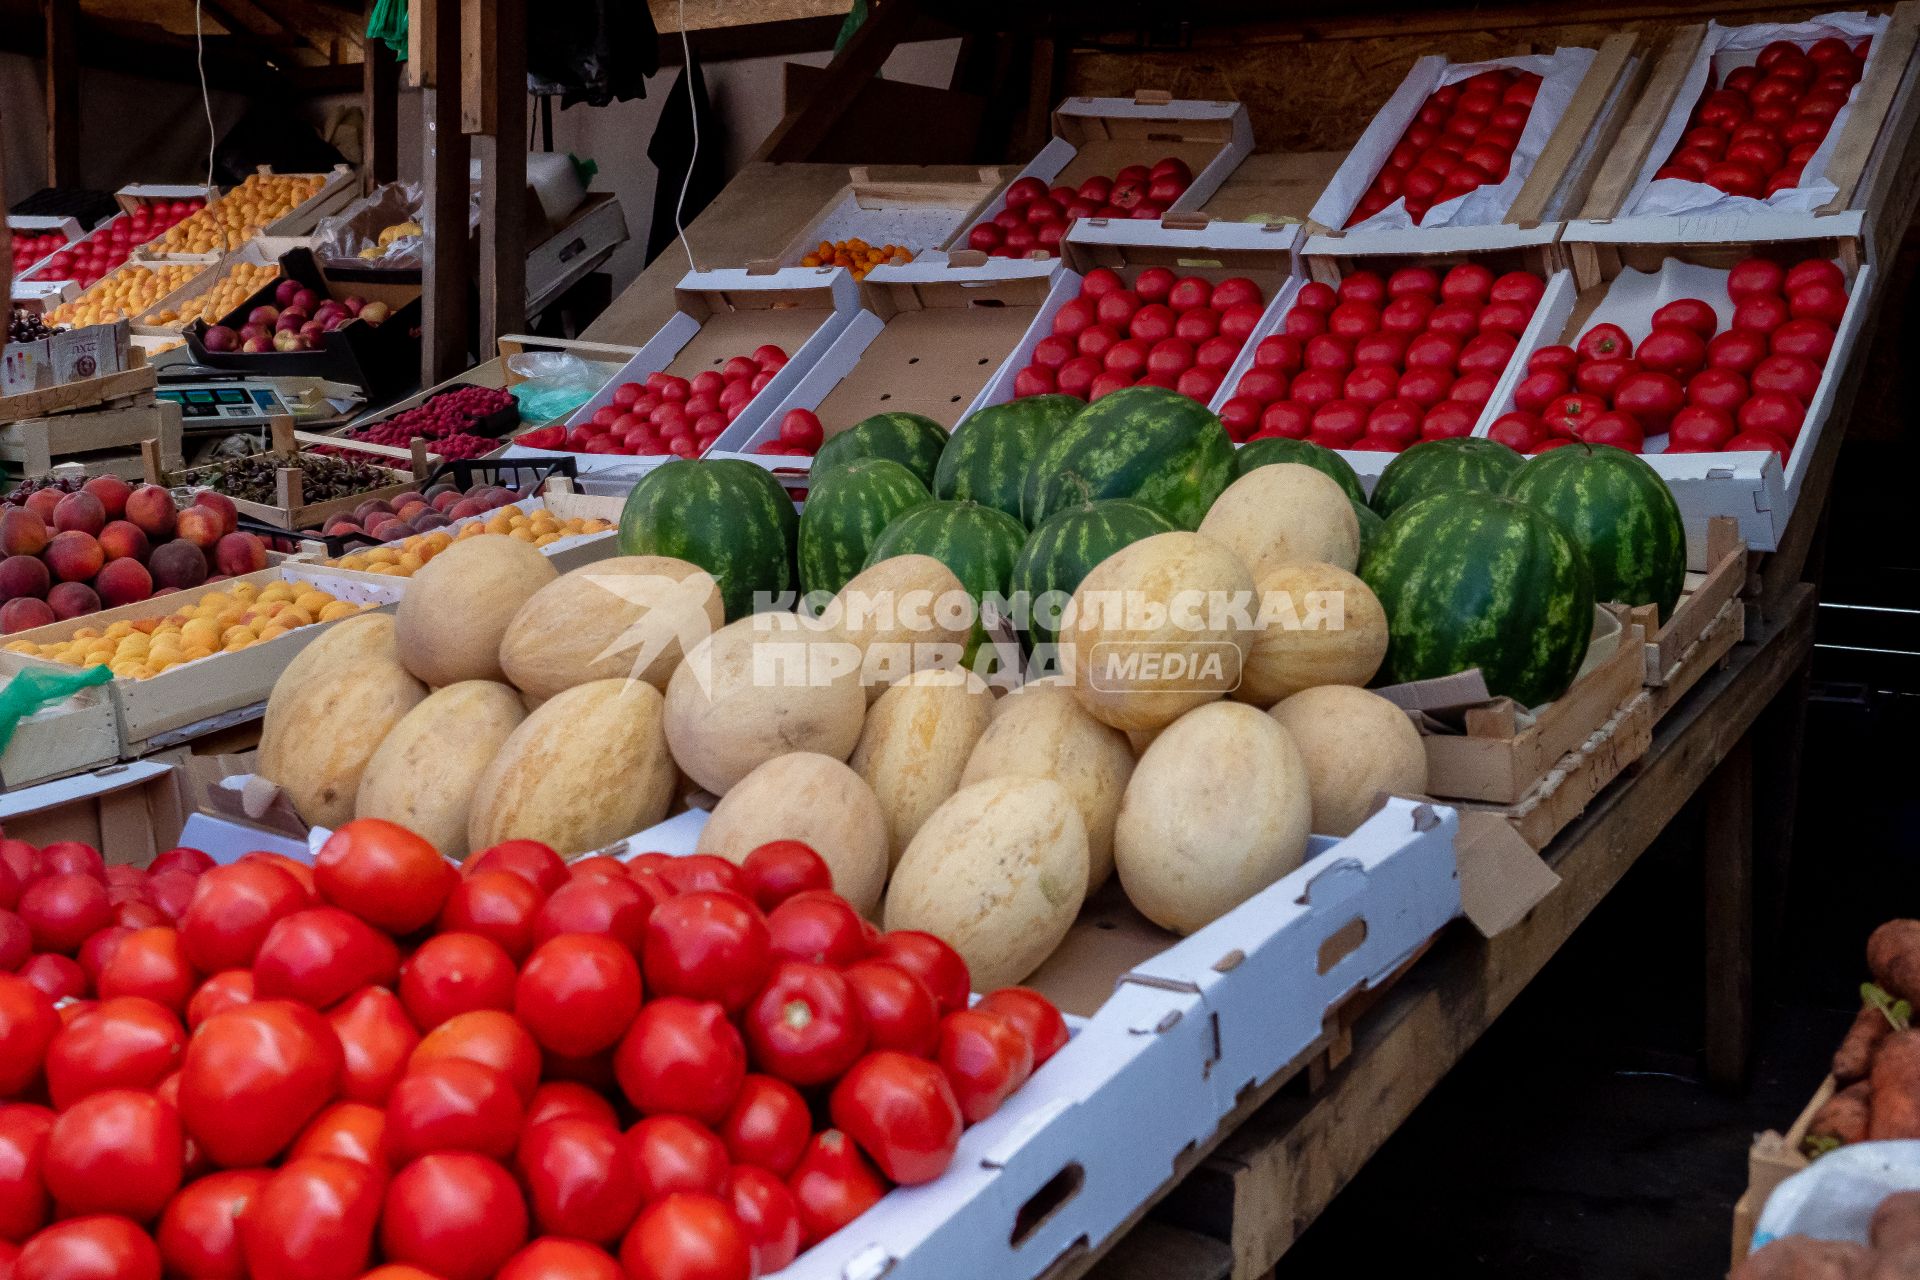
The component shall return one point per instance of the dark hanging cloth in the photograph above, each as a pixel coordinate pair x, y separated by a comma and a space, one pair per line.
672, 148
269, 133
591, 51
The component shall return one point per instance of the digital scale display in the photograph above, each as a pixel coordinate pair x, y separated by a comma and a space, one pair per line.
224, 404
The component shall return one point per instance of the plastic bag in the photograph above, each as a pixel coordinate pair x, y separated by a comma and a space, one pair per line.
385, 228
553, 384
32, 689
1834, 1197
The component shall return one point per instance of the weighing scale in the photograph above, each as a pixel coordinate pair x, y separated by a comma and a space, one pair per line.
211, 401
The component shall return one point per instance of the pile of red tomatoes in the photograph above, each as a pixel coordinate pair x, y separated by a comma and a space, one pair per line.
1036, 217
385, 1066
1462, 138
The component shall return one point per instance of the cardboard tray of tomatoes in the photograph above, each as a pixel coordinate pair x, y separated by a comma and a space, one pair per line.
1185, 1039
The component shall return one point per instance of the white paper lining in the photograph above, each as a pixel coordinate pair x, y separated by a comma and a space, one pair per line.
1834, 1198
1724, 49
1560, 75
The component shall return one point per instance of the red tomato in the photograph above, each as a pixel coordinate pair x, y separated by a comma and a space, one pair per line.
376, 1041
930, 960
351, 1130
532, 861
1467, 282
1737, 349
769, 1216
227, 990
455, 973
1487, 353
1721, 389
985, 1058
580, 1179
384, 874
579, 992
557, 1098
1652, 398
1197, 324
832, 1185
1795, 375
1756, 277
62, 910
489, 1037
1618, 428
1363, 286
1189, 292
312, 1220
1407, 313
1606, 342
95, 1248
688, 1237
454, 1214
1818, 300
1034, 1016
1433, 350
707, 946
768, 1125
1395, 422
1338, 423
1304, 322
1152, 322
1536, 390
452, 1104
1460, 319
806, 1026
902, 1112
780, 869
71, 857
1370, 384
1153, 283
900, 1011
1353, 319
25, 1205
1799, 276
1699, 429
253, 1077
1424, 386
1672, 349
821, 928
699, 873
1758, 441
28, 1025
1237, 291
232, 909
1505, 318
673, 1153
617, 908
1688, 313
321, 955
57, 977
553, 1259
1408, 281
1774, 413
1199, 383
117, 1151
199, 1234
1760, 313
128, 1043
681, 1056
1603, 377
1518, 430
1075, 315
496, 904
1568, 415
1808, 339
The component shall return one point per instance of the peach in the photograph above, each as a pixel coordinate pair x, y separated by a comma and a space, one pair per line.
74, 556
429, 522
178, 564
464, 508
123, 582
42, 502
23, 576
445, 499
221, 505
72, 600
24, 614
239, 553
81, 511
151, 508
391, 530
22, 532
370, 508
124, 540
198, 525
113, 493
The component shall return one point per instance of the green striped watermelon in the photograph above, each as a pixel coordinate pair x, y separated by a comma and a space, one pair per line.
907, 438
1463, 462
1619, 512
977, 542
845, 513
1370, 523
1272, 449
1139, 442
1066, 547
727, 516
988, 457
1472, 579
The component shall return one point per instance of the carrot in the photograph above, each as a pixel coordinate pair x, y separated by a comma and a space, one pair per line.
1844, 1118
1895, 1079
1893, 958
1896, 1223
1854, 1057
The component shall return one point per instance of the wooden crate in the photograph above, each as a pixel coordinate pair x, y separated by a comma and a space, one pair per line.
292, 511
130, 811
1708, 621
70, 736
82, 393
98, 440
1771, 1160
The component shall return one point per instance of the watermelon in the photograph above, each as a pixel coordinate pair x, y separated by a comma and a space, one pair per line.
988, 457
1619, 512
907, 438
1463, 462
1066, 547
1472, 579
977, 542
845, 513
1370, 523
1272, 449
727, 516
1139, 442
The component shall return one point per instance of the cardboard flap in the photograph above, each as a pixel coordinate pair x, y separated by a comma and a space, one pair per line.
1501, 878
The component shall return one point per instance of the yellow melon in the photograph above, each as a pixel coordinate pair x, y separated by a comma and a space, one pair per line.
458, 608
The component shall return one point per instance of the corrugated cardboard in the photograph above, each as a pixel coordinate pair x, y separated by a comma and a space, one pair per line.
70, 736
130, 812
880, 209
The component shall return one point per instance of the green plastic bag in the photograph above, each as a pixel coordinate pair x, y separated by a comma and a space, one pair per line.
388, 24
27, 692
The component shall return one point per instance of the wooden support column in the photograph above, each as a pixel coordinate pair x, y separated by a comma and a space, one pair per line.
449, 258
803, 130
63, 93
494, 110
380, 109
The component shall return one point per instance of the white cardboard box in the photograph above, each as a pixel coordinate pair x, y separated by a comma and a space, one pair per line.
48, 293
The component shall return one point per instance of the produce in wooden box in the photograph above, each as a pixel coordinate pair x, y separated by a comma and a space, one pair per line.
1753, 133
449, 421
108, 245
1892, 1249
27, 326
1036, 218
436, 507
1706, 390
1381, 363
242, 281
125, 293
224, 621
322, 479
1463, 138
669, 414
240, 214
31, 246
298, 319
384, 1062
1165, 330
405, 558
1877, 1065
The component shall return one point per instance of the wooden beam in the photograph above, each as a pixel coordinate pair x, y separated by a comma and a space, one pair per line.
803, 130
380, 112
448, 265
505, 210
63, 93
479, 49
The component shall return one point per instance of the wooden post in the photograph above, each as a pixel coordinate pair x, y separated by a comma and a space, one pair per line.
380, 107
500, 81
797, 136
63, 93
448, 265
